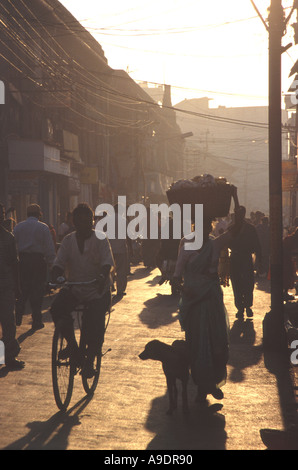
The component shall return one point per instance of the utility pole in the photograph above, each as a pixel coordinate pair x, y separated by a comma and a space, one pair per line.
273, 324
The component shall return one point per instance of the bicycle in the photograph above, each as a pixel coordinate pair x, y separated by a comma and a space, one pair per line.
65, 364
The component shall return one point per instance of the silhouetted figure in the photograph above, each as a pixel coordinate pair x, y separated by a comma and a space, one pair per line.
150, 246
243, 245
84, 257
9, 291
202, 313
120, 253
66, 227
263, 231
167, 256
36, 251
290, 245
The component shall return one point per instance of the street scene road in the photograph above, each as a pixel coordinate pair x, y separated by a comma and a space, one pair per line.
116, 157
128, 410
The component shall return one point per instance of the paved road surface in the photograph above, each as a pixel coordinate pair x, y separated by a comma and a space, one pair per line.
128, 409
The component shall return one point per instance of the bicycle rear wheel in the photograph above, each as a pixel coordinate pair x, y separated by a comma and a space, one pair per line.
63, 371
91, 384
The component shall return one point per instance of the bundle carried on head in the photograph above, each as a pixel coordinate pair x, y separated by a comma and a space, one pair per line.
214, 193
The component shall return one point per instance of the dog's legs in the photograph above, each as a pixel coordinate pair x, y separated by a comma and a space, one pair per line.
172, 391
175, 394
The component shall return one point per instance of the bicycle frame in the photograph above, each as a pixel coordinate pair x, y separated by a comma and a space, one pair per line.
63, 390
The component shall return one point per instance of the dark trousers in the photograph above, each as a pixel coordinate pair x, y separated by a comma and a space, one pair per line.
7, 321
33, 276
242, 277
93, 320
121, 262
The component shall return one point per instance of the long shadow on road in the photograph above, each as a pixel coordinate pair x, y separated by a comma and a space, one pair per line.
51, 434
243, 352
160, 311
278, 364
200, 429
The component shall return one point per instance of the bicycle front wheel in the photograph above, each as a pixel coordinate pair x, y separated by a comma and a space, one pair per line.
91, 384
63, 371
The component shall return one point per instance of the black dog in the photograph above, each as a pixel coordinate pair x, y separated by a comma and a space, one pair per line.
175, 364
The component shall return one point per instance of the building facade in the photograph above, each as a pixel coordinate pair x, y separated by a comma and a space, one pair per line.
72, 128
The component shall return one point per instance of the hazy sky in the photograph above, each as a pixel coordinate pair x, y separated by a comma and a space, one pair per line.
217, 48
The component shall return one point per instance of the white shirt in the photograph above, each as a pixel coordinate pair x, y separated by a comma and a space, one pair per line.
86, 266
33, 236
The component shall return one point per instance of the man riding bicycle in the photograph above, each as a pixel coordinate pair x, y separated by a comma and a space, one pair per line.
82, 256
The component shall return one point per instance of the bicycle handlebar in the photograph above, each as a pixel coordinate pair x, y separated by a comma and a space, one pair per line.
72, 283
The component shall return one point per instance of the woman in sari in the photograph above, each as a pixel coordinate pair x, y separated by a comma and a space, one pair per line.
202, 314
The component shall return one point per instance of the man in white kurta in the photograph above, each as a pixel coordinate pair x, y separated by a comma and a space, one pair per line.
83, 257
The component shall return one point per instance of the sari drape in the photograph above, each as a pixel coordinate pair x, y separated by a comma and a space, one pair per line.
203, 317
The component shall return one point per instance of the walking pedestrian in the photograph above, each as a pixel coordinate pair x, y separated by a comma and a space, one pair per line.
202, 313
151, 246
263, 231
290, 247
36, 251
9, 223
120, 254
66, 227
242, 247
9, 291
167, 257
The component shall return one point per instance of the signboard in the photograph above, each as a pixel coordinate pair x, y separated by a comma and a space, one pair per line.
71, 146
36, 156
289, 175
89, 175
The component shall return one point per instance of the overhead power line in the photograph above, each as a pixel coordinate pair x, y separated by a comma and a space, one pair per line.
73, 27
92, 82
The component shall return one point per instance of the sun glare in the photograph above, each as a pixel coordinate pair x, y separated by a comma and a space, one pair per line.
217, 49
